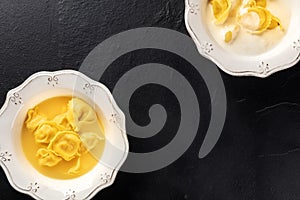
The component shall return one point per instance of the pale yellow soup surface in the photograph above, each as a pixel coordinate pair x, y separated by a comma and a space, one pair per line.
83, 161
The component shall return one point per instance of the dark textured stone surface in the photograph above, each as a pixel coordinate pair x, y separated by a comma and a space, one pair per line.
258, 154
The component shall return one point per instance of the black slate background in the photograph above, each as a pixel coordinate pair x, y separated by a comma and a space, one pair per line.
258, 154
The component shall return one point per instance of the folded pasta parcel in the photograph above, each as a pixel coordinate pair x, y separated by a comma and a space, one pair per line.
221, 10
257, 19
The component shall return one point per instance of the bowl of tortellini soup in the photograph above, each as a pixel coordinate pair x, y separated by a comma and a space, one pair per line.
63, 136
246, 37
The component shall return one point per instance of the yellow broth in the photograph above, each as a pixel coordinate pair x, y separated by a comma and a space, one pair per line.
51, 108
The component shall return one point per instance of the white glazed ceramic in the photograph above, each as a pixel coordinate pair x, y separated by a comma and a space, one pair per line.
282, 56
38, 87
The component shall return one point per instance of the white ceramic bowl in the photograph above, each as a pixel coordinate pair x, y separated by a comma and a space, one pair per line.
38, 87
282, 56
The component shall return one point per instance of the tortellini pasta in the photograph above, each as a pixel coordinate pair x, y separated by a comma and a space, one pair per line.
33, 119
67, 136
65, 144
221, 10
47, 157
250, 15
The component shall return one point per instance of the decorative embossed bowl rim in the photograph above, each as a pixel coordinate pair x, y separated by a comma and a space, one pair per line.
282, 56
38, 87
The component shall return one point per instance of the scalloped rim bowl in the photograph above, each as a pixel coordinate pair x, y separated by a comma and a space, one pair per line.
284, 55
38, 87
